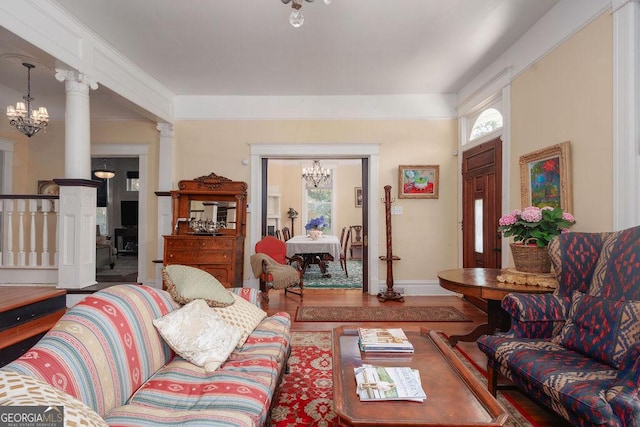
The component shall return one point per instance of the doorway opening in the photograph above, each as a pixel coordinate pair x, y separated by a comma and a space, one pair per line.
126, 202
293, 205
117, 219
367, 153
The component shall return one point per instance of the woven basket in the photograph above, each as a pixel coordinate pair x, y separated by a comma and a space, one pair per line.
531, 259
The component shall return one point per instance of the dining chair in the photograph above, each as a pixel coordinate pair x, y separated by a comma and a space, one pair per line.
278, 234
286, 233
344, 229
275, 270
343, 255
342, 243
356, 242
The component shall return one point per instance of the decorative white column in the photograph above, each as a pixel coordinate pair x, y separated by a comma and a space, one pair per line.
77, 221
165, 184
77, 159
165, 157
626, 113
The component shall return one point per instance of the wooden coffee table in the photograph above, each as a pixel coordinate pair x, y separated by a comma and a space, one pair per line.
454, 396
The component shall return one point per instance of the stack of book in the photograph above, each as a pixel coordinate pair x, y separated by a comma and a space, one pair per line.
385, 340
388, 383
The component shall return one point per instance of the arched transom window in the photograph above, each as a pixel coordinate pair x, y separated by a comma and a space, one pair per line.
488, 121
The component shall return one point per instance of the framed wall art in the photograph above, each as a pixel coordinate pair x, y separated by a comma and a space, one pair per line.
544, 178
418, 182
358, 195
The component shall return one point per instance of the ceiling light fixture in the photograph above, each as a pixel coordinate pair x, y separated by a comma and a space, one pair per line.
26, 121
316, 174
296, 19
105, 172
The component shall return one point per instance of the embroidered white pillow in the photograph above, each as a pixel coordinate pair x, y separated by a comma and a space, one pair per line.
199, 335
242, 314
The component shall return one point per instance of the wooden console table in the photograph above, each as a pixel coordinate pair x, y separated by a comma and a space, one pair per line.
483, 283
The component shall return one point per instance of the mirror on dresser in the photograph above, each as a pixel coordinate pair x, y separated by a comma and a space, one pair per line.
212, 216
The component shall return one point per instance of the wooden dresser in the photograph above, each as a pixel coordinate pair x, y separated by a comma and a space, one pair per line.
209, 227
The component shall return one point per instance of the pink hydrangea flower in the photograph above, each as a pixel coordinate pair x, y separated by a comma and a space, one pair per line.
532, 214
508, 219
567, 216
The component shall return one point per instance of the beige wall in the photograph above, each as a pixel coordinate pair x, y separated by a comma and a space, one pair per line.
40, 157
568, 96
424, 237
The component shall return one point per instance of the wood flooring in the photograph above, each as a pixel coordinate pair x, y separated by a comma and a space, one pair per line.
326, 297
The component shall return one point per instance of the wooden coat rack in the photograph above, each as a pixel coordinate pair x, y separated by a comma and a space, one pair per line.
390, 294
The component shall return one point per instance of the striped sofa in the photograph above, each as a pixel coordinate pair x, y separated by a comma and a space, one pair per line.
578, 350
109, 360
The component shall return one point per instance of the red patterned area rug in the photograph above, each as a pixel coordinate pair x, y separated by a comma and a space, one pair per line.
380, 314
306, 393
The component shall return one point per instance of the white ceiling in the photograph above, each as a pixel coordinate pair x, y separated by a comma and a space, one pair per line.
232, 47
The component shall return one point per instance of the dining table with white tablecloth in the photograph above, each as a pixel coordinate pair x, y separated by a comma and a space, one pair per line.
318, 251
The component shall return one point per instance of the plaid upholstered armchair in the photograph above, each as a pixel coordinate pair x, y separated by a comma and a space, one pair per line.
578, 350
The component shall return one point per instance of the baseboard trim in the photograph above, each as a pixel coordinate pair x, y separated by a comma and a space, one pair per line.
419, 287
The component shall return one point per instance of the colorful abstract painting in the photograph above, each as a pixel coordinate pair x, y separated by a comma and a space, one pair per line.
545, 177
545, 183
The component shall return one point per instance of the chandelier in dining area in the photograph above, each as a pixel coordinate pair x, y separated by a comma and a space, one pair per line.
22, 117
296, 19
316, 174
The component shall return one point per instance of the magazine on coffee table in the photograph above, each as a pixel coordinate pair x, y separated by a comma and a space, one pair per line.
389, 340
375, 383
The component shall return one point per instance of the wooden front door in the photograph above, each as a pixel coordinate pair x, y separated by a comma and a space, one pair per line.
481, 205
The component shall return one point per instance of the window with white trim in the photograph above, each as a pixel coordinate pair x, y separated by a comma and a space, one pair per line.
319, 201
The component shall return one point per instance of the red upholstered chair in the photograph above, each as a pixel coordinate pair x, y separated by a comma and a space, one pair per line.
275, 270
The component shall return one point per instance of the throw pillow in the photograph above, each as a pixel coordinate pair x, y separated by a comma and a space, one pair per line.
242, 314
198, 334
22, 390
186, 284
601, 328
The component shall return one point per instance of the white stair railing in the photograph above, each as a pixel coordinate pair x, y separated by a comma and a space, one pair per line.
28, 223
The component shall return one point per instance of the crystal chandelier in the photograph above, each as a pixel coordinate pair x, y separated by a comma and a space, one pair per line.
296, 19
316, 175
22, 117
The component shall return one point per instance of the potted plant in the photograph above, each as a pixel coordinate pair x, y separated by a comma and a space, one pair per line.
315, 227
532, 229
